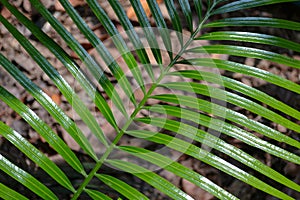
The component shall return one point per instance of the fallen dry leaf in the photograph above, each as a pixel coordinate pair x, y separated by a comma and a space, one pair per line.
74, 3
5, 13
131, 14
56, 98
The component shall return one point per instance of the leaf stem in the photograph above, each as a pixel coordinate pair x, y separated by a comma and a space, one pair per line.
135, 112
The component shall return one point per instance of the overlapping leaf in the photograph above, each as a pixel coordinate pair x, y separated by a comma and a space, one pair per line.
185, 108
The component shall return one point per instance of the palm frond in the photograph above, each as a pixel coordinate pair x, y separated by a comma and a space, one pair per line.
185, 105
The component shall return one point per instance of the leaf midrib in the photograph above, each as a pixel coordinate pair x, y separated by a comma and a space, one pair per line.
139, 107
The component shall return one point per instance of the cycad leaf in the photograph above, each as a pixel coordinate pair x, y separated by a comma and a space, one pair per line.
247, 52
35, 155
100, 47
150, 178
217, 162
161, 24
213, 141
96, 195
255, 21
179, 170
121, 187
64, 87
244, 69
49, 105
133, 38
239, 87
147, 29
26, 179
68, 63
227, 128
175, 19
233, 99
150, 35
117, 39
9, 194
43, 129
198, 8
244, 4
251, 37
186, 9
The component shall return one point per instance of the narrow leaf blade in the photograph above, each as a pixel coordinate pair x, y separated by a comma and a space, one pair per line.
179, 170
26, 179
255, 21
9, 194
150, 178
121, 187
43, 129
96, 195
36, 156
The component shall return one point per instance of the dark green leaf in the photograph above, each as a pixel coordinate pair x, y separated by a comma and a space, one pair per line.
175, 19
247, 52
96, 195
251, 37
235, 99
26, 179
255, 21
121, 187
161, 24
35, 155
179, 170
217, 162
49, 105
43, 129
151, 178
186, 9
8, 194
244, 69
244, 4
64, 87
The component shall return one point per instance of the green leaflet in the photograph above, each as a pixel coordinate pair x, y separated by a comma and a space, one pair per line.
251, 37
161, 25
244, 69
35, 155
103, 51
234, 99
151, 178
147, 29
217, 110
186, 9
228, 129
255, 21
239, 87
244, 4
63, 86
179, 170
26, 179
49, 105
247, 52
122, 187
85, 57
175, 19
209, 158
8, 194
96, 195
43, 129
117, 39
